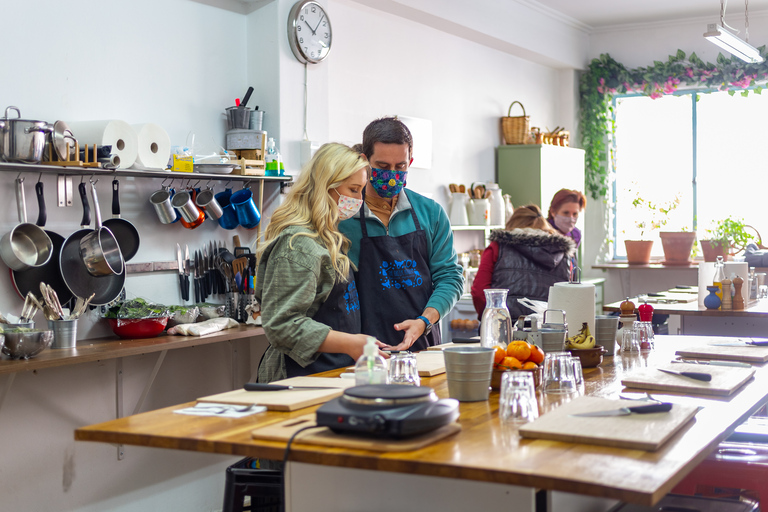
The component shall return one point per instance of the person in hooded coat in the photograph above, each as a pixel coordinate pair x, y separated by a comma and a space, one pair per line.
526, 258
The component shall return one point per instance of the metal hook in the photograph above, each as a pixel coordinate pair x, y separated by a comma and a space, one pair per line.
208, 185
82, 178
40, 178
20, 178
228, 183
196, 184
164, 180
246, 184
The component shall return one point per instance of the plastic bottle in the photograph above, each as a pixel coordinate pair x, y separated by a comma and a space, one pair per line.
719, 276
371, 368
272, 159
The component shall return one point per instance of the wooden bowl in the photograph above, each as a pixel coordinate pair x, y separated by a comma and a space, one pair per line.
590, 357
538, 372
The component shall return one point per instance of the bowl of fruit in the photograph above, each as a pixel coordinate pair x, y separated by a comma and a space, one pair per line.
519, 355
582, 345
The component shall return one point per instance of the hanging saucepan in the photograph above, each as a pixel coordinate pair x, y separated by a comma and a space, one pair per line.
79, 281
26, 281
26, 245
22, 140
99, 249
126, 233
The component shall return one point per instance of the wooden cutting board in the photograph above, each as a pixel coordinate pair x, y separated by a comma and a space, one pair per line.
635, 431
725, 380
446, 345
429, 363
747, 354
283, 430
287, 400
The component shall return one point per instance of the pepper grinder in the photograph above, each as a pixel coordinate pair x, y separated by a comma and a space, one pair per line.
738, 298
727, 299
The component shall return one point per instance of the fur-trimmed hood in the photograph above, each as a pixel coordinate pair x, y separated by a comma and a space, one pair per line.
529, 237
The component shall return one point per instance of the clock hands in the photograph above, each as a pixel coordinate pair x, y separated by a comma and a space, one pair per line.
318, 24
310, 27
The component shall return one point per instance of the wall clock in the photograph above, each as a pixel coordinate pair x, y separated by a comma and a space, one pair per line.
309, 32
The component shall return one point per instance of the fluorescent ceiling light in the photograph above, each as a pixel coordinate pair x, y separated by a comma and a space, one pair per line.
732, 44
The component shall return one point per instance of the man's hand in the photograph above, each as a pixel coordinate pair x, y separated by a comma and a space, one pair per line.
413, 330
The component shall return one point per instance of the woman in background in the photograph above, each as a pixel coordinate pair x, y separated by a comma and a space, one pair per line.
309, 306
564, 211
526, 258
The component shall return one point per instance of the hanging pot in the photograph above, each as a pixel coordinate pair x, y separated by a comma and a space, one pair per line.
99, 249
126, 234
26, 245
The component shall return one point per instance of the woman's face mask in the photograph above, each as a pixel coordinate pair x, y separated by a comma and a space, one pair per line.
565, 223
348, 206
387, 183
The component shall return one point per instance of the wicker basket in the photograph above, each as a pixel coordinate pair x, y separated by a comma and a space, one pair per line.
517, 130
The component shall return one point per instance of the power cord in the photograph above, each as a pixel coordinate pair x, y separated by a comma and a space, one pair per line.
287, 454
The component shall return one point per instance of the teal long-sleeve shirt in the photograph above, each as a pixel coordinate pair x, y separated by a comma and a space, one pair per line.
447, 276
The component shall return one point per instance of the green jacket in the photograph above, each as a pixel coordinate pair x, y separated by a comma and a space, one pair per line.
294, 278
447, 276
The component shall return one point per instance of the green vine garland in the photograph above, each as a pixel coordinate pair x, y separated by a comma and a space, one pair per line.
606, 78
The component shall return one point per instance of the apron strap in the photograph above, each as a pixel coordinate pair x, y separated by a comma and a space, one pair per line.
362, 217
413, 213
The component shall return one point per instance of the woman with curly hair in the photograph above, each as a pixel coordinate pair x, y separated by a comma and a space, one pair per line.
309, 305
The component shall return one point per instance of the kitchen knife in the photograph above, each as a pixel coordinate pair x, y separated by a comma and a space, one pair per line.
743, 343
196, 279
626, 411
181, 271
214, 281
206, 274
256, 386
187, 264
704, 377
736, 364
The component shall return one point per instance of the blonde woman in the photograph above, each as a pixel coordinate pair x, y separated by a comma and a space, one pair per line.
309, 305
526, 257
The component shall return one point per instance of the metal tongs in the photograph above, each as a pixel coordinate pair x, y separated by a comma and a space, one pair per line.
53, 309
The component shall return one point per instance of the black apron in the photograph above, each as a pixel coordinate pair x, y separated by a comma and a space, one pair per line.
341, 312
394, 283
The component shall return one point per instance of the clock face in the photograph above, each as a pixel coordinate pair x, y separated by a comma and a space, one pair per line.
309, 32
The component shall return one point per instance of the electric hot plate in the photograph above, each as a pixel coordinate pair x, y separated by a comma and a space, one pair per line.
387, 410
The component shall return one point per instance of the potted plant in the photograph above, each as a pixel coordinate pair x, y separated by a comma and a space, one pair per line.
727, 236
650, 216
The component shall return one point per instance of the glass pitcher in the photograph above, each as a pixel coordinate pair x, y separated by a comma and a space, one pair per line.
496, 323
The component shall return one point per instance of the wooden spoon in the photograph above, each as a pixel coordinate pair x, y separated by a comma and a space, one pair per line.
462, 188
479, 192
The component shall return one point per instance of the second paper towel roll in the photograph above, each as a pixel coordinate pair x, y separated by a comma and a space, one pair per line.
115, 133
154, 146
578, 302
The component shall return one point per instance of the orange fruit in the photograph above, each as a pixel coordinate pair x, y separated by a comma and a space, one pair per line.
529, 365
511, 363
537, 355
499, 355
519, 349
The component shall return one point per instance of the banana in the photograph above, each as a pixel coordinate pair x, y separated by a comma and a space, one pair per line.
583, 339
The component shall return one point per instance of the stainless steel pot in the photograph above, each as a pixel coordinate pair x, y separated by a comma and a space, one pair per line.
22, 140
99, 249
26, 245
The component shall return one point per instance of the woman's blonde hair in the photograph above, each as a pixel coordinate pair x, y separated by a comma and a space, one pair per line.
528, 216
310, 205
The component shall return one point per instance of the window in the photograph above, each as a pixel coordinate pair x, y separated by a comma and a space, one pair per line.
703, 153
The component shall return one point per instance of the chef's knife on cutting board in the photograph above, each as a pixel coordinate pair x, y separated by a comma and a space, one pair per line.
256, 386
735, 364
704, 377
742, 343
626, 411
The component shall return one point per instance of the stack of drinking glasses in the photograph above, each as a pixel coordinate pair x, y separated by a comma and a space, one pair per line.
562, 373
402, 369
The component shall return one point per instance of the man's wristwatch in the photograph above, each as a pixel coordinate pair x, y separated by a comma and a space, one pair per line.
428, 328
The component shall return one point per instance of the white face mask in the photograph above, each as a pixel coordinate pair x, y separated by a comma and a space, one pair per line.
564, 223
348, 206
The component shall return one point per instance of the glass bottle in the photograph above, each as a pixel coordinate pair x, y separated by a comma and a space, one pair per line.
719, 276
496, 323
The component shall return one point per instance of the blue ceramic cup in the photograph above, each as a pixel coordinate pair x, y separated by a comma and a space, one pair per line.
228, 219
247, 214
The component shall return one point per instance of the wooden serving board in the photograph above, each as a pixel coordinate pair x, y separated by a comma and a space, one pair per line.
748, 354
725, 380
429, 363
635, 431
289, 399
283, 430
444, 346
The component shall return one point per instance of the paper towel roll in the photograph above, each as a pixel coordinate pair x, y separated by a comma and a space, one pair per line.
154, 147
115, 133
578, 302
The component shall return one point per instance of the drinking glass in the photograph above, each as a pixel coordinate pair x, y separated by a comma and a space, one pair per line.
402, 369
517, 401
578, 374
645, 335
629, 341
558, 373
763, 291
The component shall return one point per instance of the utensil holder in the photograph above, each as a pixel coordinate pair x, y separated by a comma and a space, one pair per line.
64, 333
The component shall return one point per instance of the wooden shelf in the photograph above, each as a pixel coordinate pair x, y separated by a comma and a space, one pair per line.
112, 348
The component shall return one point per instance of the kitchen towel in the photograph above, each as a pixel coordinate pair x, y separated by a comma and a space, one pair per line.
154, 147
115, 133
578, 302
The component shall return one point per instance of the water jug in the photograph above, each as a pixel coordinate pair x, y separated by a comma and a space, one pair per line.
498, 209
458, 209
496, 324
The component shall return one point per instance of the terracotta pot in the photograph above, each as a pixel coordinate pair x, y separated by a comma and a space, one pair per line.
711, 252
638, 251
677, 246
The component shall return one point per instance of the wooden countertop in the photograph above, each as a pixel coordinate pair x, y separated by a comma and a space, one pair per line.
759, 309
486, 449
112, 348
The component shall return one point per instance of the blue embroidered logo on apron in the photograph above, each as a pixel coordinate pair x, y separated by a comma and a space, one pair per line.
351, 299
399, 274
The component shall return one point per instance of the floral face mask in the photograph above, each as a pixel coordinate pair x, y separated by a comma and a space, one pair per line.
387, 183
348, 206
